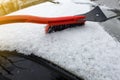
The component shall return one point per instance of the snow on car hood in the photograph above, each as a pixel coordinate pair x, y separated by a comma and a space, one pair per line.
86, 51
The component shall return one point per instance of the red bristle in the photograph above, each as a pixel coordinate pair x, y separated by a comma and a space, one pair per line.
62, 23
54, 28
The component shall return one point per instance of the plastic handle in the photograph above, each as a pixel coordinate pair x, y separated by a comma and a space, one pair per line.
41, 20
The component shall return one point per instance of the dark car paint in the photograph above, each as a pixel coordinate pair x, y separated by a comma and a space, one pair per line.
16, 66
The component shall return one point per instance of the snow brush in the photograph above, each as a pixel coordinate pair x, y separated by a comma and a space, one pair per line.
58, 23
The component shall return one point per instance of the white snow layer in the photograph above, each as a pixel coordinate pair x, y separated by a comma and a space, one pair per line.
86, 51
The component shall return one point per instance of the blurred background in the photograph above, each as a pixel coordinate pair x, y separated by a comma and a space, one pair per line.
8, 6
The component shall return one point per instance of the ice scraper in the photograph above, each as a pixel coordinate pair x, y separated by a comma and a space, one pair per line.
58, 23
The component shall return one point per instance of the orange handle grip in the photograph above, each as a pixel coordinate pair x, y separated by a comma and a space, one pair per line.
40, 20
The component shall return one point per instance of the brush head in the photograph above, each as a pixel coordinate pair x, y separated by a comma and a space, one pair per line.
55, 28
61, 23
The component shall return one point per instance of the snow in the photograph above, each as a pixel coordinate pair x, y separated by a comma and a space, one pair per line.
49, 9
91, 4
87, 51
